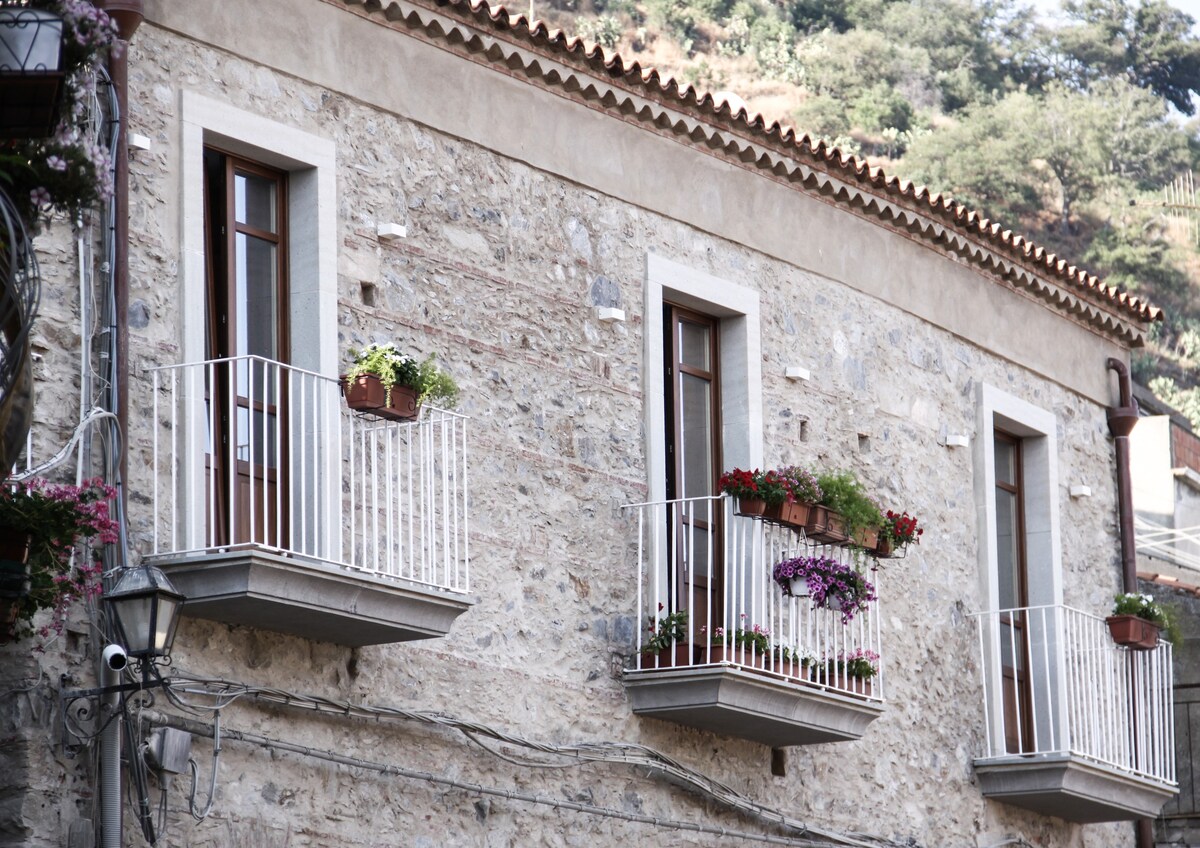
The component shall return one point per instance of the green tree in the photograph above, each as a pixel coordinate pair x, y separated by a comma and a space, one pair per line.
1004, 157
1150, 43
984, 158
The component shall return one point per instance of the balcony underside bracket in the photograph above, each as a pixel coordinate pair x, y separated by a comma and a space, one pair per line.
315, 600
750, 705
1071, 788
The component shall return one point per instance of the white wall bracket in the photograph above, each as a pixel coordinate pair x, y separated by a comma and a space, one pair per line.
795, 372
391, 231
609, 314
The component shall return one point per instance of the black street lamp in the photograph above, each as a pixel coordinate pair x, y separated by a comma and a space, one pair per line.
144, 611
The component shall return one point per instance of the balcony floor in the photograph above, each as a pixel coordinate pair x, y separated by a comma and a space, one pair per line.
309, 598
731, 701
1071, 788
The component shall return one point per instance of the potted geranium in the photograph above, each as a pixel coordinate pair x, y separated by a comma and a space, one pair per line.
383, 381
40, 526
667, 642
829, 583
853, 671
801, 492
899, 530
748, 646
743, 485
1137, 620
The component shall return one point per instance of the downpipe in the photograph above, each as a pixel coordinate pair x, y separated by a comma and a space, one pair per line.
1121, 421
110, 760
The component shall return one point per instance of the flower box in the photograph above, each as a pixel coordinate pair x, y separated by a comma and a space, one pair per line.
789, 514
867, 537
741, 655
751, 507
1133, 632
825, 525
366, 393
678, 656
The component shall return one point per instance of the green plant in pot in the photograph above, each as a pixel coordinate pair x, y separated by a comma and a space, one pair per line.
427, 382
1137, 619
42, 524
842, 493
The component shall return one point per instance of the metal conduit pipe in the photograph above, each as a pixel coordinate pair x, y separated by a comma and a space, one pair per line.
1121, 421
128, 15
110, 762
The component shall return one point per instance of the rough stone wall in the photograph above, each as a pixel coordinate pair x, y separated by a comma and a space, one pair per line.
499, 273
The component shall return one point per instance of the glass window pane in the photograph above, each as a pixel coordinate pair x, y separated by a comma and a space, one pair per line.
1006, 466
254, 201
255, 437
1006, 549
698, 557
257, 288
696, 436
694, 345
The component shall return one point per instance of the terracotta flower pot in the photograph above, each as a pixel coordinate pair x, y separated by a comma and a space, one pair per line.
751, 507
366, 393
787, 514
680, 656
867, 537
741, 655
1133, 632
825, 525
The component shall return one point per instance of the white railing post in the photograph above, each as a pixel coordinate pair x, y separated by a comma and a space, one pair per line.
289, 445
1090, 698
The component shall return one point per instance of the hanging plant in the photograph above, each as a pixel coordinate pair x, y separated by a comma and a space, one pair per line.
51, 521
69, 171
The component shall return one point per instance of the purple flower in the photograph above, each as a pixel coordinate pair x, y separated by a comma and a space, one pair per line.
40, 197
56, 163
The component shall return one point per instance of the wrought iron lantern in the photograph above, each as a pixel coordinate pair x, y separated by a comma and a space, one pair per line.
144, 610
31, 75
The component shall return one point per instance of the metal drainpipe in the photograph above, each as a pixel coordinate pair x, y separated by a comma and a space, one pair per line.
110, 763
128, 15
1121, 421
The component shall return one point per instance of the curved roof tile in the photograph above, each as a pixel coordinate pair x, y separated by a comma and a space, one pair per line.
848, 167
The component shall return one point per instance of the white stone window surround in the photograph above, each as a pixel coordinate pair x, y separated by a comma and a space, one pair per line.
740, 363
1037, 429
310, 163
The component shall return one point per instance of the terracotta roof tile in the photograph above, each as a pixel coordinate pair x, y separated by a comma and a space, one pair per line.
845, 166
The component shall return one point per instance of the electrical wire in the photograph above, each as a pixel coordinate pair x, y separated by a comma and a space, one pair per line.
201, 729
222, 693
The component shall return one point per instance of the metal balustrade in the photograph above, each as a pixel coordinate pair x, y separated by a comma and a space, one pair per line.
247, 452
1055, 683
697, 557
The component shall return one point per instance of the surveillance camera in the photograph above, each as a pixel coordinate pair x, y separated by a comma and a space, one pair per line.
114, 657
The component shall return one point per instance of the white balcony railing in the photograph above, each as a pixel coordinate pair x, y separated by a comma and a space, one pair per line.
253, 453
697, 557
1055, 684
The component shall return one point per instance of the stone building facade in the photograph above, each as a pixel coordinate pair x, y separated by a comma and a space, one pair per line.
523, 206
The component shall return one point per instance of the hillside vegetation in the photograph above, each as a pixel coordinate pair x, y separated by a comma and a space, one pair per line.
1075, 132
